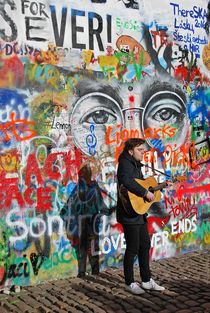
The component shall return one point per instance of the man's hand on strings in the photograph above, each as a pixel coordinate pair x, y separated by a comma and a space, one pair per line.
150, 196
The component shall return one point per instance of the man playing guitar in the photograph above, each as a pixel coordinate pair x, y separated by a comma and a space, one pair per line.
134, 224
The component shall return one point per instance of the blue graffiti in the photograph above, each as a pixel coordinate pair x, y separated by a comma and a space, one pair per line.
91, 141
199, 104
11, 102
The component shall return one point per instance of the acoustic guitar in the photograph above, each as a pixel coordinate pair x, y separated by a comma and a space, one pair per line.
142, 205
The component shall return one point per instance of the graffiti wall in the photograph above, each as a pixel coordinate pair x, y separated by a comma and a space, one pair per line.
77, 79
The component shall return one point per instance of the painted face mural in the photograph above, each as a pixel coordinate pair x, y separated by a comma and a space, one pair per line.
91, 116
77, 79
119, 112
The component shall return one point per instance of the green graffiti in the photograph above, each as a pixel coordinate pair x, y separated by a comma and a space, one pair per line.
138, 67
131, 24
203, 231
108, 71
124, 59
65, 256
50, 76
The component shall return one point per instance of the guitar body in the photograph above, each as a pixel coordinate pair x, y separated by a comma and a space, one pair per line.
142, 205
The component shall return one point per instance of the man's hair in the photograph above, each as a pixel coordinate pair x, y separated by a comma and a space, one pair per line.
131, 143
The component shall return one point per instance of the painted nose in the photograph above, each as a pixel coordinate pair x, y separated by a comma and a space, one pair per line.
132, 120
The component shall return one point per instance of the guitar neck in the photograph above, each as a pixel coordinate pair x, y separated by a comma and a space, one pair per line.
160, 186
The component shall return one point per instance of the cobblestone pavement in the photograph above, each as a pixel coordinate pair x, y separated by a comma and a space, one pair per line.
185, 277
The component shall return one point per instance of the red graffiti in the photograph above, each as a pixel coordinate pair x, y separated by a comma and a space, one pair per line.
183, 190
11, 72
131, 99
154, 221
17, 129
163, 37
49, 170
179, 157
183, 208
9, 192
184, 73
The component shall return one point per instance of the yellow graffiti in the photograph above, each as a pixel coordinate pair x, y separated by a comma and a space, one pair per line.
87, 56
207, 238
50, 56
206, 56
46, 106
58, 99
106, 60
9, 161
179, 239
109, 65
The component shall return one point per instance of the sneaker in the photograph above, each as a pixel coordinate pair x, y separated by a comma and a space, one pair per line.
17, 289
6, 290
134, 288
152, 285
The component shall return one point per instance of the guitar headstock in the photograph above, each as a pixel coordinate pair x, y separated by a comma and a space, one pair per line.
179, 178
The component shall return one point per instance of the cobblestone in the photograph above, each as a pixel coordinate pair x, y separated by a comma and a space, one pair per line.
105, 293
191, 303
206, 306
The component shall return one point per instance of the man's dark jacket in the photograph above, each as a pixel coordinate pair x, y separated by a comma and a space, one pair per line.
128, 170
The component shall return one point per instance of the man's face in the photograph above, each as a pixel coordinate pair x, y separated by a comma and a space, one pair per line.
137, 152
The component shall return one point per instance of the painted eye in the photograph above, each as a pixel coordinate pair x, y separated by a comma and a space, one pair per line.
90, 117
164, 110
100, 117
168, 115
